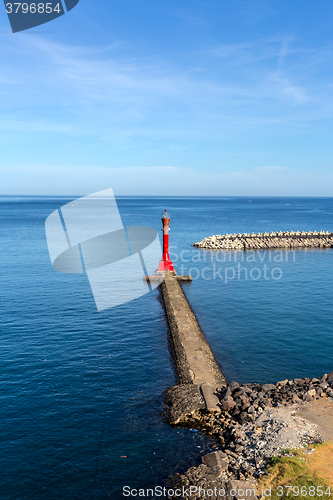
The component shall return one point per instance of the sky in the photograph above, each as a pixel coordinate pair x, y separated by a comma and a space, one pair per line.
222, 97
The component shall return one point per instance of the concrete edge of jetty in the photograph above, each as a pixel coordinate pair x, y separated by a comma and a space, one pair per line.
262, 241
199, 375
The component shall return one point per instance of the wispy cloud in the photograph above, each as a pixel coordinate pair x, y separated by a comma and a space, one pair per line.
84, 76
59, 98
284, 87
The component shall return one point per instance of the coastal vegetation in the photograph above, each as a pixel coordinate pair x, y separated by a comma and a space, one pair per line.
309, 473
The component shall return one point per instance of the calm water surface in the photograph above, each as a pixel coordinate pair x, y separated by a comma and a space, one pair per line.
80, 391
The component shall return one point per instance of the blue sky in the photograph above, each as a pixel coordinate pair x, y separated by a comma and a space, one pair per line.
222, 97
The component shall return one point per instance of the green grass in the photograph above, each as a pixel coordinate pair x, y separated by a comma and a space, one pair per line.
297, 471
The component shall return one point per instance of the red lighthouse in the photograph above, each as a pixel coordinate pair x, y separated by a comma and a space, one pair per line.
165, 263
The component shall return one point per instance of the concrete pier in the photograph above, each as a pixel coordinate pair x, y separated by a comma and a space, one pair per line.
199, 374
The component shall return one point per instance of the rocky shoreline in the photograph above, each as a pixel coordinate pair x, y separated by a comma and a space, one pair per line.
249, 422
272, 240
254, 422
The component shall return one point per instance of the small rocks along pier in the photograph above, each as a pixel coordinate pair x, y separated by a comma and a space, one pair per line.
286, 239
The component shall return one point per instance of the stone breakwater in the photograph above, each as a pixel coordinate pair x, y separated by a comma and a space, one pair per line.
287, 239
254, 422
196, 367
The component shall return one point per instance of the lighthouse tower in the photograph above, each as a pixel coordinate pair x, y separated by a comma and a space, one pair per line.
165, 263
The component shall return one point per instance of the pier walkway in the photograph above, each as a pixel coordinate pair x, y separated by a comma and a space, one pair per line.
194, 360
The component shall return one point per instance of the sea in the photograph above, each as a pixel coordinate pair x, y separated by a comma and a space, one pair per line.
81, 391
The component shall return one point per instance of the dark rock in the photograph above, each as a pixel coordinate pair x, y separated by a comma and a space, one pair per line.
282, 383
234, 385
216, 458
227, 393
243, 417
236, 394
268, 387
228, 405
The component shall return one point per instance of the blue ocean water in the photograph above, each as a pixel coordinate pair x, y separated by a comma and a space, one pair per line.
81, 391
